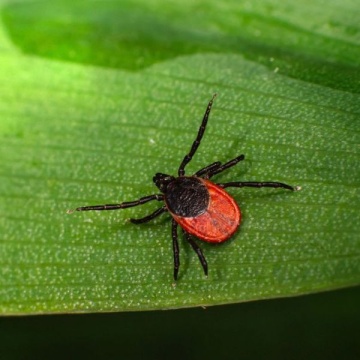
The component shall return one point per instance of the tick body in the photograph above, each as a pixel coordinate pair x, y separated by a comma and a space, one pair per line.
202, 208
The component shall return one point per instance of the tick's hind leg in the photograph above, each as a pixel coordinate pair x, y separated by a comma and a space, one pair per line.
149, 217
175, 249
257, 184
198, 251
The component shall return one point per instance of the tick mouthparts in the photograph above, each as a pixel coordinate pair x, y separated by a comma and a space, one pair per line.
297, 188
70, 211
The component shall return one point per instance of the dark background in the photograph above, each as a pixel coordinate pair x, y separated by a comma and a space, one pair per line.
320, 326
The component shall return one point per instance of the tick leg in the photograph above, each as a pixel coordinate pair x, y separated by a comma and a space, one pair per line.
208, 169
123, 205
198, 251
197, 141
149, 217
227, 165
256, 185
175, 249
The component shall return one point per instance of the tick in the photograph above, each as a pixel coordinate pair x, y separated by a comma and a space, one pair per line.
202, 208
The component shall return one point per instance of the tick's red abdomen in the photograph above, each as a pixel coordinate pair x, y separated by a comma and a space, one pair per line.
220, 220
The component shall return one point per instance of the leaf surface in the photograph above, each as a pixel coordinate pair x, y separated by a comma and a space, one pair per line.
74, 133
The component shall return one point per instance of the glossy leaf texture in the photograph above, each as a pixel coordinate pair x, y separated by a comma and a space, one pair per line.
89, 119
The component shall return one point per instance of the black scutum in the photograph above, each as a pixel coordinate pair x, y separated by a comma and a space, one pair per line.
187, 197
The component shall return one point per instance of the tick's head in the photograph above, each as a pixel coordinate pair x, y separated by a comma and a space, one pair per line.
162, 181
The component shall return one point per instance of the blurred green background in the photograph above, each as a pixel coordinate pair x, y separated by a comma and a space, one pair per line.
321, 326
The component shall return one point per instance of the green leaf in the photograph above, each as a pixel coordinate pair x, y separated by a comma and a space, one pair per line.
74, 133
